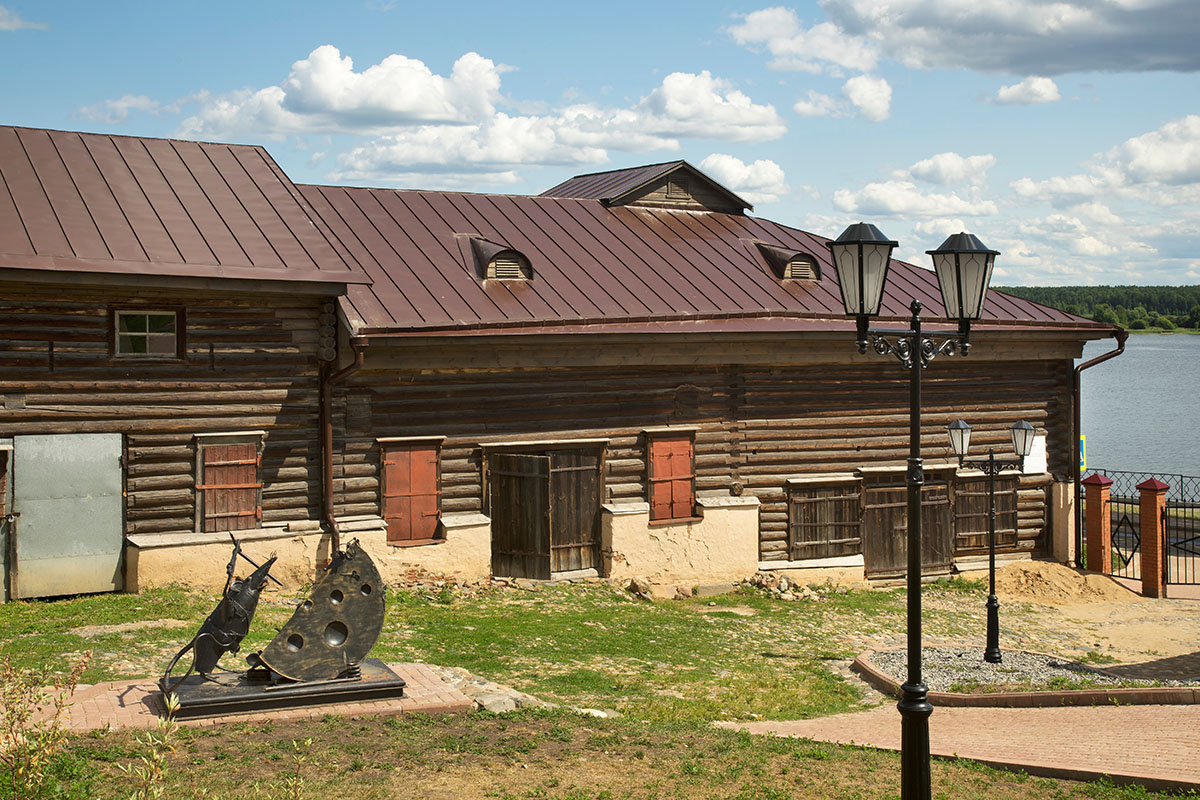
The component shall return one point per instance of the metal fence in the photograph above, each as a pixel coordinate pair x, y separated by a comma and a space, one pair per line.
1182, 524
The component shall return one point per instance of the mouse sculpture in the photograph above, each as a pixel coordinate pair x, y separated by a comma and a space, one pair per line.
228, 623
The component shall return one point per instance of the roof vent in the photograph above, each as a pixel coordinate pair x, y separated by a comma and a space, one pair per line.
499, 261
789, 264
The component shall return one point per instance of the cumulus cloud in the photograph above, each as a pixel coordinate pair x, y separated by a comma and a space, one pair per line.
823, 47
12, 21
1030, 91
702, 106
1043, 37
323, 93
1168, 155
426, 124
818, 105
865, 95
760, 182
903, 198
118, 110
872, 96
947, 168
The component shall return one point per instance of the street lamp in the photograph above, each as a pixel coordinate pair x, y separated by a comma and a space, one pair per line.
1022, 440
861, 256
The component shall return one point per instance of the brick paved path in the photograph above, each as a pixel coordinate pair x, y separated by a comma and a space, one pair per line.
137, 704
1156, 746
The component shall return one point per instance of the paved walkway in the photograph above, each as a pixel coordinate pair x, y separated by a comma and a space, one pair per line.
1155, 746
137, 704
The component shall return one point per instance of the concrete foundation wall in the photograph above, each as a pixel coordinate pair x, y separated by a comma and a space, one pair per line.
199, 560
721, 546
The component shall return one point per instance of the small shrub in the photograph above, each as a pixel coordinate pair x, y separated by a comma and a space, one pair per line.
32, 722
148, 776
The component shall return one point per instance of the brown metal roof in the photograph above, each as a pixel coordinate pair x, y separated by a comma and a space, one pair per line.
616, 186
82, 202
605, 268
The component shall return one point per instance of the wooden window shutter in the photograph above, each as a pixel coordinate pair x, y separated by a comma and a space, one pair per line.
411, 492
230, 488
672, 476
824, 521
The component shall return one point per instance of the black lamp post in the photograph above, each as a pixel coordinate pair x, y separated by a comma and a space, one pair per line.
1022, 439
861, 256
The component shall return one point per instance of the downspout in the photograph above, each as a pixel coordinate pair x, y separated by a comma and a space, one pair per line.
1120, 335
327, 383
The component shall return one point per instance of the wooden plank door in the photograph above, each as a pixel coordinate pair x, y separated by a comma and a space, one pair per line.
971, 506
521, 508
885, 530
575, 510
411, 497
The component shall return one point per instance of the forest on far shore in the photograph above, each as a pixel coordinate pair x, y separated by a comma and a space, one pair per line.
1131, 307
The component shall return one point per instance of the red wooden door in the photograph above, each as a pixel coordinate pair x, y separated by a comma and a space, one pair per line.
411, 498
672, 477
230, 490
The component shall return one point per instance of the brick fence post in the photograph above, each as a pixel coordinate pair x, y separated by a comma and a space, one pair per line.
1152, 508
1098, 523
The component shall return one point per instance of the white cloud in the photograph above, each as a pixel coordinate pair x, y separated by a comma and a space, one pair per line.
870, 95
760, 182
1043, 37
427, 124
11, 21
902, 198
702, 106
1168, 155
323, 93
823, 47
1031, 91
818, 105
116, 111
947, 168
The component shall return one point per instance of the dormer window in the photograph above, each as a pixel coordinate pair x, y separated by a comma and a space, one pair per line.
789, 264
802, 267
495, 261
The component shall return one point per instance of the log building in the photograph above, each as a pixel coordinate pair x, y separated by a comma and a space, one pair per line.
628, 375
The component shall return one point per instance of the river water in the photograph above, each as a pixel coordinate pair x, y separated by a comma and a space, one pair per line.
1140, 410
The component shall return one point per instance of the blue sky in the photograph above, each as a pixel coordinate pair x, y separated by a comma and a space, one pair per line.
1064, 133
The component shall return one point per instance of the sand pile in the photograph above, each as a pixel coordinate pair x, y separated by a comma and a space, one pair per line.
1055, 584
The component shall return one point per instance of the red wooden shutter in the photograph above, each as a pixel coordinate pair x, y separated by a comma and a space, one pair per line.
230, 487
411, 499
672, 480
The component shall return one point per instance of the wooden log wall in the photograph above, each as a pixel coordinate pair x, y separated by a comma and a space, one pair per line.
757, 426
250, 365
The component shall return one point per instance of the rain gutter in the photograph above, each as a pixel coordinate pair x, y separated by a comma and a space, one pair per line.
328, 380
1120, 334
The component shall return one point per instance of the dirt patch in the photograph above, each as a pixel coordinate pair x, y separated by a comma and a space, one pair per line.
737, 611
1055, 584
90, 631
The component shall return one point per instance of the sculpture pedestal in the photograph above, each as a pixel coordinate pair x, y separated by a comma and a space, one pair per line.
231, 692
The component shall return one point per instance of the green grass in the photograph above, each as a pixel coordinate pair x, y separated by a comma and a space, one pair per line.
670, 669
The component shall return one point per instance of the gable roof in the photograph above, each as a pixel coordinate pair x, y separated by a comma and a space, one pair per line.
137, 207
621, 186
600, 268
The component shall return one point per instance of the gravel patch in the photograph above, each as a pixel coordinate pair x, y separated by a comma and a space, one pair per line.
948, 669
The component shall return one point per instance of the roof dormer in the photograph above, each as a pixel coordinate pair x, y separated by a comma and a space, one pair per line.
496, 261
788, 264
676, 184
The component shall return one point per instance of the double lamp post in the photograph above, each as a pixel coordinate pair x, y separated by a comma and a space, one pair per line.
861, 256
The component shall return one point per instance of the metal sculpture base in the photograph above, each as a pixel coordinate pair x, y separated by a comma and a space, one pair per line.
234, 692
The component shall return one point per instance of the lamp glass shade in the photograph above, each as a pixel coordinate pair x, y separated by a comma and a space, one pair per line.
1022, 438
960, 437
861, 256
964, 270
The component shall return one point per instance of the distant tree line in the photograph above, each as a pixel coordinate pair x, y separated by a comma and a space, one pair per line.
1131, 307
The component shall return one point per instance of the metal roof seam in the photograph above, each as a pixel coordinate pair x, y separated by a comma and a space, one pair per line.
145, 195
116, 203
183, 206
17, 211
86, 206
242, 203
46, 195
